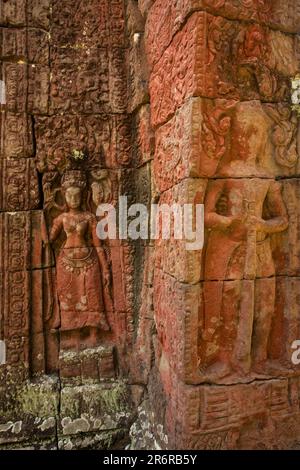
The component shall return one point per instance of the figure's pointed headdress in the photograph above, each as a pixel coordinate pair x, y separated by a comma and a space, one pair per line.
74, 178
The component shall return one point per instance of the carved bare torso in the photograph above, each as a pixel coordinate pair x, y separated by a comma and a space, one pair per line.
77, 229
82, 273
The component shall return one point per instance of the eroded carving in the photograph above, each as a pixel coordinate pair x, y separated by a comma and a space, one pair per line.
242, 210
83, 275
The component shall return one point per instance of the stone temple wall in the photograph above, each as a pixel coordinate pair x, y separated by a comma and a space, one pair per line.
73, 117
226, 316
165, 101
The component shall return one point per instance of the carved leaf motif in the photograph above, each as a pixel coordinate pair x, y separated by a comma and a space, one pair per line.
284, 135
216, 126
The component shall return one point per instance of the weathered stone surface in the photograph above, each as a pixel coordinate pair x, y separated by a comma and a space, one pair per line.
134, 19
30, 45
25, 12
217, 332
93, 408
103, 22
204, 66
65, 71
203, 137
104, 140
88, 81
193, 142
164, 21
137, 74
285, 245
28, 308
13, 12
269, 409
33, 410
88, 58
145, 5
146, 433
90, 366
174, 256
175, 305
39, 13
23, 239
16, 136
21, 79
228, 239
143, 137
20, 189
206, 337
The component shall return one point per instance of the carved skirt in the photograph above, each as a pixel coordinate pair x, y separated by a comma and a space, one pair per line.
80, 291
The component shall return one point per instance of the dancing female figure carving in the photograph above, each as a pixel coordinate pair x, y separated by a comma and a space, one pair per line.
244, 207
82, 270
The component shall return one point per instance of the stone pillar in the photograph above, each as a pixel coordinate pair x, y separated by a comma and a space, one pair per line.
226, 136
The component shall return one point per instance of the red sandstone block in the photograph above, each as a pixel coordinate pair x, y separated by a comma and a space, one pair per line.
285, 324
70, 369
214, 57
103, 140
217, 326
285, 245
218, 418
178, 146
15, 308
205, 136
120, 263
17, 350
26, 87
88, 80
20, 188
138, 75
16, 135
20, 44
143, 137
165, 18
88, 57
39, 13
231, 253
14, 235
98, 23
175, 306
173, 256
16, 80
17, 298
89, 368
41, 254
193, 142
34, 13
23, 236
106, 366
13, 12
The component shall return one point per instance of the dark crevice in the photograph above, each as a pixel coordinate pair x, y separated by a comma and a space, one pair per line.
39, 174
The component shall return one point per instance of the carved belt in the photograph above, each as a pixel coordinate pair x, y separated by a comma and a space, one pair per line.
79, 265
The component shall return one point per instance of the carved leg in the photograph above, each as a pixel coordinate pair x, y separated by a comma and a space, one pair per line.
230, 317
242, 350
264, 310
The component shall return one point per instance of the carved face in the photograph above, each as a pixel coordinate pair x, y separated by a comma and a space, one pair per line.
250, 129
97, 193
73, 197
